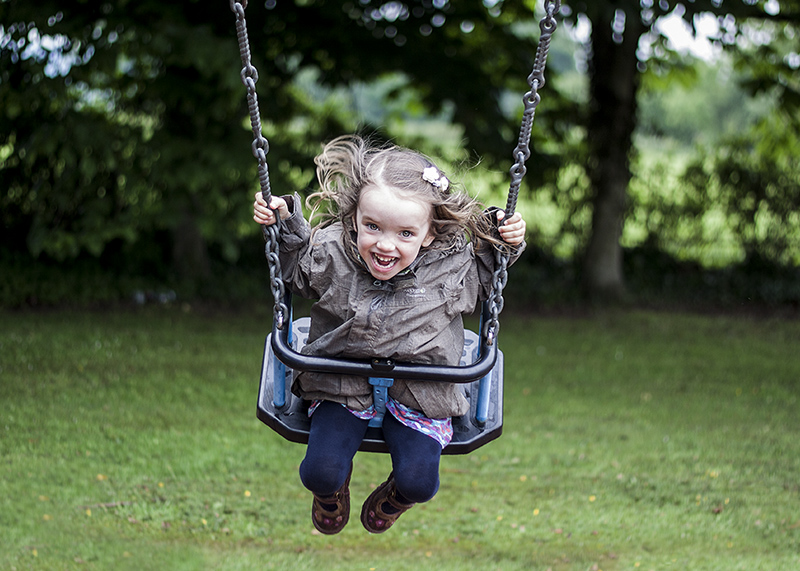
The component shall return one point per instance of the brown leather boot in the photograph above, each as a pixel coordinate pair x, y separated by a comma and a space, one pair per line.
373, 517
331, 522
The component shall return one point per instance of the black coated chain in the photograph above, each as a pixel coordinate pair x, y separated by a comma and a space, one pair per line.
260, 150
522, 153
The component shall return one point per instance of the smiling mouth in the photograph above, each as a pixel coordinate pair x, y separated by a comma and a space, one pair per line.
383, 262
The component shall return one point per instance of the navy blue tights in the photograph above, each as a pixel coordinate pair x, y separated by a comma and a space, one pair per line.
334, 438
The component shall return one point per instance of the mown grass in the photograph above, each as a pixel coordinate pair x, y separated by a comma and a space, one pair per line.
633, 440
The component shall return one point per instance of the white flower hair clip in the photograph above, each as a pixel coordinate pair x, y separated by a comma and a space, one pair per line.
436, 178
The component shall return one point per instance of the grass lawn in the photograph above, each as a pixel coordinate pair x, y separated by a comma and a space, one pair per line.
633, 440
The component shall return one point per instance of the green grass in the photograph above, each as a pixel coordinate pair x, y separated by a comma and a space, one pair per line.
633, 440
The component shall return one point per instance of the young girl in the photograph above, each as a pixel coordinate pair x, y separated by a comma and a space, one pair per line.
395, 262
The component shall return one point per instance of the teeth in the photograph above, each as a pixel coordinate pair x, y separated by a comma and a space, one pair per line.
383, 261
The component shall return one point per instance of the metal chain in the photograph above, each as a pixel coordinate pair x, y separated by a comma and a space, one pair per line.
260, 149
522, 153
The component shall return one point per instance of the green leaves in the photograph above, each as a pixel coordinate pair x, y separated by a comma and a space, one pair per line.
121, 120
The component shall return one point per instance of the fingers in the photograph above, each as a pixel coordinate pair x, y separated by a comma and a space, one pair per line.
513, 231
262, 213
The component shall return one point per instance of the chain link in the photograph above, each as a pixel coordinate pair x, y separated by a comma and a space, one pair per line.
522, 153
260, 148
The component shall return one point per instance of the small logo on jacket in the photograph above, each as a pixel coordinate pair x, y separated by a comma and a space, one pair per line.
415, 292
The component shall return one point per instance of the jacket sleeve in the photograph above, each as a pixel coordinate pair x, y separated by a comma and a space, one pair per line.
295, 237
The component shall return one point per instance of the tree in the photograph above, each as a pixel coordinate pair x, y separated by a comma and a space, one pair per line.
619, 30
753, 173
111, 137
122, 127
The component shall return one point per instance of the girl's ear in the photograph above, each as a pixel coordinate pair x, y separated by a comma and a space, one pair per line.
428, 240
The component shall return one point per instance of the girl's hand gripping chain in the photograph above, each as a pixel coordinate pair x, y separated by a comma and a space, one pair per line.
264, 214
513, 231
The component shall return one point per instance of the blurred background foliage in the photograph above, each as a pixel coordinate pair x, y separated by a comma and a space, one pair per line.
663, 171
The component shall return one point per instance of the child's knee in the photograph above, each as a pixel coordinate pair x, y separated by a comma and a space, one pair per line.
417, 487
323, 475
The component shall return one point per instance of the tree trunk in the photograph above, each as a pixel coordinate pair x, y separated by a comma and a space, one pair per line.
189, 251
614, 82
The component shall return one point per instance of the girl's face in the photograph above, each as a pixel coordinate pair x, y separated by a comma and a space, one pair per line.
391, 230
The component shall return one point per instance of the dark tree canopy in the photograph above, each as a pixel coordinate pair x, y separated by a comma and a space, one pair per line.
123, 128
123, 122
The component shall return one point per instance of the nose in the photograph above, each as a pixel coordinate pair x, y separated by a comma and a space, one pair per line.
385, 245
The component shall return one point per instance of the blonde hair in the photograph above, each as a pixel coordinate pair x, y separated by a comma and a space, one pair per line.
349, 164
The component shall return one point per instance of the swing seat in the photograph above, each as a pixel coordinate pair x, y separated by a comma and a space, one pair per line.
287, 414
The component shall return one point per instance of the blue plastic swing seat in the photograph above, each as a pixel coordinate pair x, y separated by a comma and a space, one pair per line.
287, 414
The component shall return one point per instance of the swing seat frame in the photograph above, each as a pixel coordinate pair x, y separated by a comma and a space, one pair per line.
480, 376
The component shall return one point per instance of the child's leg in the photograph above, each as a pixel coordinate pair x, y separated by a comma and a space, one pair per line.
333, 440
415, 461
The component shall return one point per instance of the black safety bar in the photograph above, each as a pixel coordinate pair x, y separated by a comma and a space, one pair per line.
387, 368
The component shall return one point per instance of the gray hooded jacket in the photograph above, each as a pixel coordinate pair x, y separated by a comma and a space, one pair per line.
413, 317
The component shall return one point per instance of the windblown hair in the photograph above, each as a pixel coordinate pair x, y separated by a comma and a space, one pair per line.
349, 164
